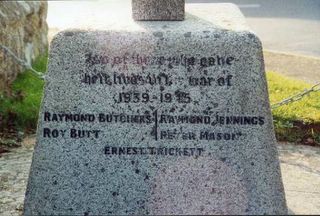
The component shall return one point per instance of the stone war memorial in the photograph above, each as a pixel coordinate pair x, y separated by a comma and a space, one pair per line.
163, 110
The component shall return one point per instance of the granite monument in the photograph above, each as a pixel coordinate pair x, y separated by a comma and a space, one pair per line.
158, 117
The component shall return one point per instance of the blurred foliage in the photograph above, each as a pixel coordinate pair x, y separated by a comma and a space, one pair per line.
22, 107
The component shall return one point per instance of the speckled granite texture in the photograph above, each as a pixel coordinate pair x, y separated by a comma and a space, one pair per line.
157, 118
158, 9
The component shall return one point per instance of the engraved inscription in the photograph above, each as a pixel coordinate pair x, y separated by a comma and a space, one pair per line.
132, 88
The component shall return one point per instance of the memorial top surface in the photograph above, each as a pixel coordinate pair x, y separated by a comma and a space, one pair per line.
118, 17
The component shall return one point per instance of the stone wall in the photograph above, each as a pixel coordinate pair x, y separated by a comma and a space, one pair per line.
24, 30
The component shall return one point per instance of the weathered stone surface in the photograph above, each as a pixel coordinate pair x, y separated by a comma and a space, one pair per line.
300, 167
162, 118
23, 30
158, 9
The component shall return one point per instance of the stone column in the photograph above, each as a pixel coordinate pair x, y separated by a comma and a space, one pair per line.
158, 10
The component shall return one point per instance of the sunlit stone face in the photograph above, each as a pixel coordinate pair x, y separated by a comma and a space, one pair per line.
157, 118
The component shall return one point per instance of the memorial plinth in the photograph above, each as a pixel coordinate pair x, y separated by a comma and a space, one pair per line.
156, 118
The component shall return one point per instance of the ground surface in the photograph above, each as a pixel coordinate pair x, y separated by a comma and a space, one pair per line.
295, 66
300, 166
283, 25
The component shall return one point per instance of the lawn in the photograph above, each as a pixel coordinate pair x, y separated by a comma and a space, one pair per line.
296, 122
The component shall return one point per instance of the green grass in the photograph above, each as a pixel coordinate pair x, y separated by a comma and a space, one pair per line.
281, 87
22, 107
299, 120
295, 122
